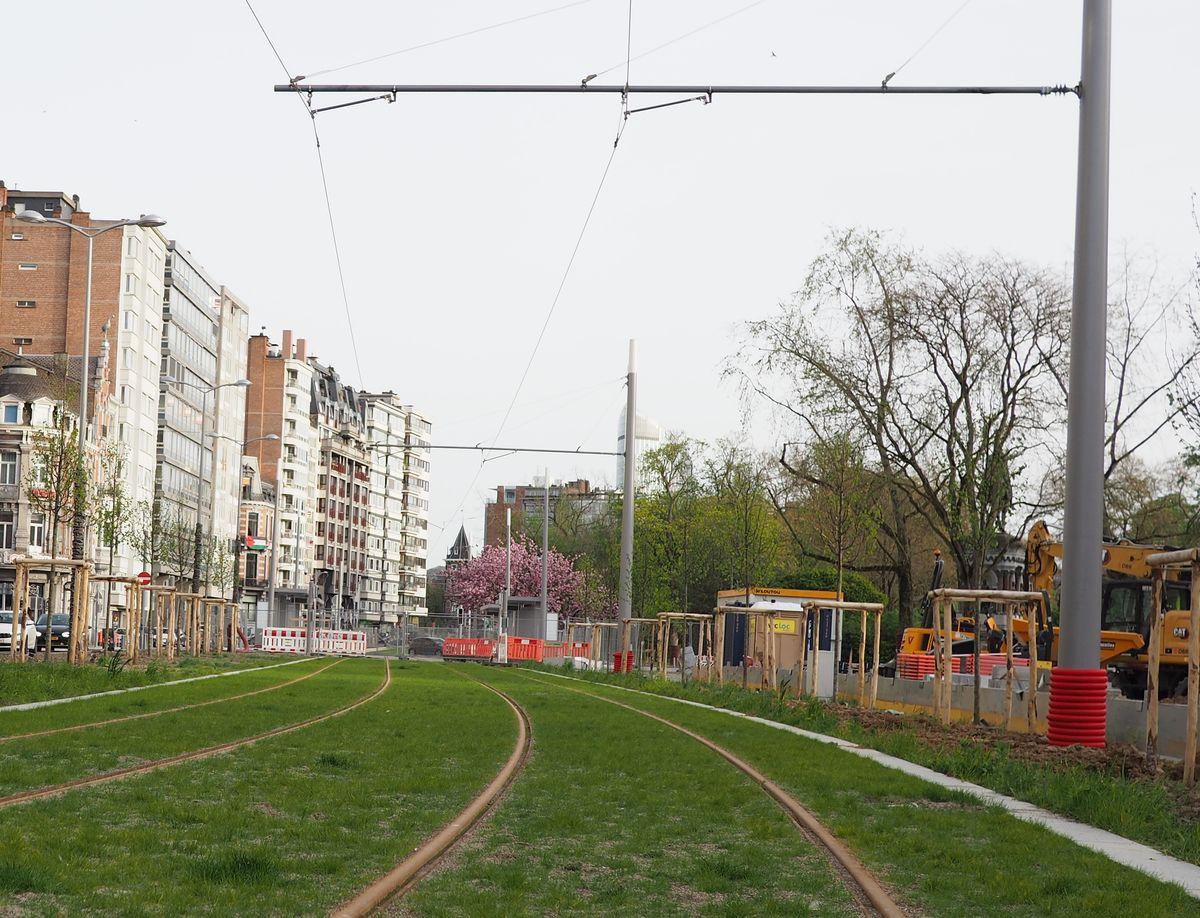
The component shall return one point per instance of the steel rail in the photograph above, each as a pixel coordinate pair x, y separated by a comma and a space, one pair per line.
55, 790
874, 892
405, 875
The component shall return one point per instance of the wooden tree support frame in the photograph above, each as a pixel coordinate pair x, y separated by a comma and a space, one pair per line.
944, 601
1160, 564
131, 612
187, 618
770, 663
161, 611
873, 609
221, 621
79, 573
594, 632
704, 620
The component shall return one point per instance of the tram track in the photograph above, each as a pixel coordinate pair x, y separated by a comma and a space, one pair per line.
408, 873
861, 882
74, 728
55, 790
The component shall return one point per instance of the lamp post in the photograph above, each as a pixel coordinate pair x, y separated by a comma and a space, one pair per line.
205, 390
145, 220
238, 540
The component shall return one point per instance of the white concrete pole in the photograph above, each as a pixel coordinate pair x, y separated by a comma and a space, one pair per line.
625, 581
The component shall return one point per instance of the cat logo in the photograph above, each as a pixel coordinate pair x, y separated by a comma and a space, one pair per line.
1180, 633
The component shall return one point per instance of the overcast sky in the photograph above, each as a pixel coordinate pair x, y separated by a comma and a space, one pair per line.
457, 214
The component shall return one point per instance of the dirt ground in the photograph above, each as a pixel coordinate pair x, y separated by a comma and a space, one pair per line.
1120, 759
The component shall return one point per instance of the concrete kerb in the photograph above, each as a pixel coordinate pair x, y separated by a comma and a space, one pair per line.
1117, 848
32, 705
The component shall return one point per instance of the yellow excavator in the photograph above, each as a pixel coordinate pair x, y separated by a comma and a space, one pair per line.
1124, 615
1125, 610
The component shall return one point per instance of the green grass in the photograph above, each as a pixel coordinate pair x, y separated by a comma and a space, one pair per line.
38, 681
940, 850
159, 698
38, 761
616, 814
290, 826
1155, 813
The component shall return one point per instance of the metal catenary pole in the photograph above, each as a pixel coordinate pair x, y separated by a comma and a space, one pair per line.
1079, 646
274, 566
545, 628
625, 580
507, 564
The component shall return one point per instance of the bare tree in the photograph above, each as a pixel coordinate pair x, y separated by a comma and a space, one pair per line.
53, 481
942, 368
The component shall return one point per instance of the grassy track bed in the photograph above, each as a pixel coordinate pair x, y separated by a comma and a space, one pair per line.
95, 710
616, 814
1153, 811
290, 826
940, 850
46, 760
38, 681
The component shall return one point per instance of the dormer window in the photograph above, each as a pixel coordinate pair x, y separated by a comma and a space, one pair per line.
12, 413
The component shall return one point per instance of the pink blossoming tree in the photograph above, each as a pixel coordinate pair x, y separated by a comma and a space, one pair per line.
571, 593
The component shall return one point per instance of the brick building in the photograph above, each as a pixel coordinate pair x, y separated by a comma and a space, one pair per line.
43, 272
578, 497
278, 402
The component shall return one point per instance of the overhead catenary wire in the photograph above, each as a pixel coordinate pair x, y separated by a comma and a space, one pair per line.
927, 42
337, 254
678, 38
446, 38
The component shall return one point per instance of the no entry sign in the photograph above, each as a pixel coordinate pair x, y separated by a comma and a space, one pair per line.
144, 578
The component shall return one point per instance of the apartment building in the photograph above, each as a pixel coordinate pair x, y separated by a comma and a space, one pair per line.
398, 518
278, 402
343, 495
257, 554
43, 272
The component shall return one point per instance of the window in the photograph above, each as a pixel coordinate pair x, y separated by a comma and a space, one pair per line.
7, 527
131, 245
130, 283
17, 237
8, 467
251, 566
252, 526
26, 304
26, 266
130, 320
23, 342
48, 207
12, 414
37, 529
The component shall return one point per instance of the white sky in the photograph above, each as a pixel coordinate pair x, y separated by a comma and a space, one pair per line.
457, 214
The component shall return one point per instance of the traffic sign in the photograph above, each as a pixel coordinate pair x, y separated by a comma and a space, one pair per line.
144, 578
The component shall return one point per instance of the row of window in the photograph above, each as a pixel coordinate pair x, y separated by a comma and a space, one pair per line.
8, 527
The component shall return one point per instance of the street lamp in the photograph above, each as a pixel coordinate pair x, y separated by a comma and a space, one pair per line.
145, 220
237, 526
205, 388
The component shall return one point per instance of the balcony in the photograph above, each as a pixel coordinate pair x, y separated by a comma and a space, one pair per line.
254, 583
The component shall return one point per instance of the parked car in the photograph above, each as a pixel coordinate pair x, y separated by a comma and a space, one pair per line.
425, 647
6, 632
60, 631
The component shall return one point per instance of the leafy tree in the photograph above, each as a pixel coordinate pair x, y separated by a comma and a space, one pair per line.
54, 479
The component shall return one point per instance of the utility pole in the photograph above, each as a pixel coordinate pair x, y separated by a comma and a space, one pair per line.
311, 624
545, 629
1079, 648
625, 581
507, 563
273, 572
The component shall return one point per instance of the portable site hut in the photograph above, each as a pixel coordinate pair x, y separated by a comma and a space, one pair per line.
745, 635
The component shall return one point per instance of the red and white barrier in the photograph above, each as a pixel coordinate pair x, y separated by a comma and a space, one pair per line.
295, 640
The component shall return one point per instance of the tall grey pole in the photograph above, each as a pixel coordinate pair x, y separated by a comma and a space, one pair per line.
625, 582
310, 626
274, 569
87, 352
1079, 645
545, 629
199, 494
507, 563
